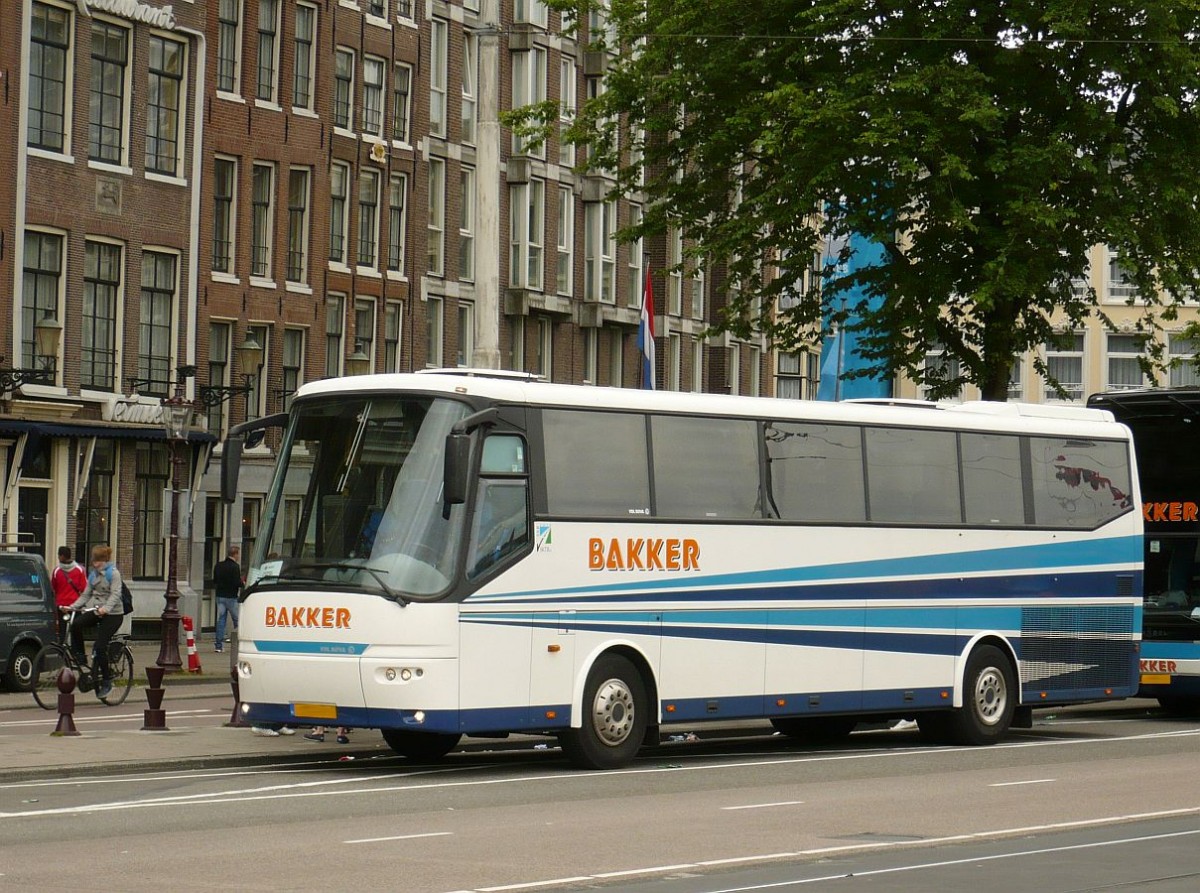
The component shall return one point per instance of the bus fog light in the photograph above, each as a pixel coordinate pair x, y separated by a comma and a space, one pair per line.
244, 669
406, 674
419, 716
389, 674
245, 708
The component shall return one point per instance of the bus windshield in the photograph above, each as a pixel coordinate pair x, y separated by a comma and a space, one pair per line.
357, 498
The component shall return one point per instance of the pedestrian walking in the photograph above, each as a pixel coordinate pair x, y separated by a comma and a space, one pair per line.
227, 581
68, 581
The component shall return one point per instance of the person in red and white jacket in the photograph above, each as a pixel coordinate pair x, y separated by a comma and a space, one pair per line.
68, 581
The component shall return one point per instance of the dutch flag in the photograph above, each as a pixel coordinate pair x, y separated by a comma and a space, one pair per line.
645, 338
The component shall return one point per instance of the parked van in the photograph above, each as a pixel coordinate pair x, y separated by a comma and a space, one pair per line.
27, 618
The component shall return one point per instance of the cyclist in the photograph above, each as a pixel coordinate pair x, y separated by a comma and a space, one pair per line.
99, 605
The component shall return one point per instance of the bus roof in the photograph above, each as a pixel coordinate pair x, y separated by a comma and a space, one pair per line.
523, 388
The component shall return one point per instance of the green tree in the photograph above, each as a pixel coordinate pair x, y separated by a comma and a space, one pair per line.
985, 146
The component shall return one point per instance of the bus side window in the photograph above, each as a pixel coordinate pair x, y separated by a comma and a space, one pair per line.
501, 523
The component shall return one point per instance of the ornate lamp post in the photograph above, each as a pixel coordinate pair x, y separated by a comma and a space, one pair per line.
176, 412
250, 358
358, 363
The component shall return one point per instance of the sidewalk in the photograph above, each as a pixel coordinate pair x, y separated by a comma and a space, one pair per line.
31, 751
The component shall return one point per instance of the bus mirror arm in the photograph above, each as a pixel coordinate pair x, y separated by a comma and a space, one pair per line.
247, 434
458, 457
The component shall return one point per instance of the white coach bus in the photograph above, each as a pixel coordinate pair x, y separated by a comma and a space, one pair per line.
467, 553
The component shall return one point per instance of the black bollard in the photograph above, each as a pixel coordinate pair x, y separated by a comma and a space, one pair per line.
154, 718
66, 705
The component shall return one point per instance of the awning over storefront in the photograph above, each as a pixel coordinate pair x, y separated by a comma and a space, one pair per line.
95, 429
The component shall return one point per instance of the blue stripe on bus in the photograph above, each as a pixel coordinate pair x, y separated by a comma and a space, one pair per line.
1166, 650
1003, 561
279, 646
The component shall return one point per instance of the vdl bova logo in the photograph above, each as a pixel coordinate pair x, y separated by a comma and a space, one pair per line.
638, 554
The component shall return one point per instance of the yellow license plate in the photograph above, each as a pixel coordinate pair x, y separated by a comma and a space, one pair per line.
314, 711
1156, 679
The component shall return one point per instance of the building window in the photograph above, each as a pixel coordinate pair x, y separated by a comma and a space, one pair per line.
224, 213
528, 88
1124, 362
735, 369
697, 365
214, 536
635, 277
591, 356
151, 479
251, 516
1065, 365
155, 323
101, 297
49, 59
41, 287
755, 371
697, 281
364, 328
600, 251
1016, 385
401, 81
518, 343
466, 332
219, 336
674, 361
343, 88
164, 103
335, 323
438, 77
466, 224
674, 271
435, 246
93, 523
942, 366
297, 257
1120, 287
404, 9
527, 206
372, 96
256, 399
106, 118
268, 48
293, 364
616, 359
544, 360
567, 107
229, 44
1182, 351
377, 8
433, 331
305, 52
368, 218
531, 11
397, 222
392, 316
565, 269
262, 198
339, 211
470, 68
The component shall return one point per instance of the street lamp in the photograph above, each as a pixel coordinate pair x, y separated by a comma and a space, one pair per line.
358, 363
250, 358
176, 413
47, 334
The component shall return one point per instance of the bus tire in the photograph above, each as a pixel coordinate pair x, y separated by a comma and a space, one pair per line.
615, 716
989, 699
816, 729
422, 747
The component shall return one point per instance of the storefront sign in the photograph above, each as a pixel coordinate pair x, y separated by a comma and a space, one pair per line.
133, 410
159, 17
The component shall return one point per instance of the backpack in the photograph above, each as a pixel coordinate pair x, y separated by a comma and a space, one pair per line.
126, 595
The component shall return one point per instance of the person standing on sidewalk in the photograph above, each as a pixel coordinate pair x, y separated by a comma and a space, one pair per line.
68, 581
227, 580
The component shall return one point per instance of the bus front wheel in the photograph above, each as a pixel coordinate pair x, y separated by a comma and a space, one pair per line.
989, 699
614, 717
420, 746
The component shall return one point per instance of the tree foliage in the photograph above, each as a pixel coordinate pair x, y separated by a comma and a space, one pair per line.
985, 146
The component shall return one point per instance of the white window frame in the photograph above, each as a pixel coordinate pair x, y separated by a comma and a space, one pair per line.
340, 83
273, 98
1116, 349
527, 227
397, 80
466, 224
180, 111
531, 12
262, 238
545, 348
600, 251
65, 92
342, 241
121, 163
439, 75
565, 266
1180, 350
674, 271
674, 361
528, 88
234, 45
366, 317
697, 365
1078, 354
434, 331
310, 56
466, 332
335, 342
299, 220
397, 226
435, 245
470, 88
568, 108
368, 220
376, 90
230, 222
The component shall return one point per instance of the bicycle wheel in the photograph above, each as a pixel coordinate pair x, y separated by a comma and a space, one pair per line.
120, 666
46, 666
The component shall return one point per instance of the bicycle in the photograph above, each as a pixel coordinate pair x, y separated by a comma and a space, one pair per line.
51, 660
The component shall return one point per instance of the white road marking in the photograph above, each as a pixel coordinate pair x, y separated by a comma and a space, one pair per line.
48, 717
765, 805
401, 837
825, 851
1013, 784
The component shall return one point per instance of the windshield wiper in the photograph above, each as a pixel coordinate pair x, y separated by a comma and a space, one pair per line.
394, 594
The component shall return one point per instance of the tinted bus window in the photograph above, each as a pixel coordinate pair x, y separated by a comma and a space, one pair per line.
912, 476
596, 464
705, 468
815, 472
1079, 483
991, 465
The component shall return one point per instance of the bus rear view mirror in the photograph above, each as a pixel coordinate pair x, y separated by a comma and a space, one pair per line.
458, 461
231, 465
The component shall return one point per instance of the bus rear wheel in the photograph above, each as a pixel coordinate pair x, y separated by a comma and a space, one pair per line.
614, 717
423, 747
815, 729
989, 699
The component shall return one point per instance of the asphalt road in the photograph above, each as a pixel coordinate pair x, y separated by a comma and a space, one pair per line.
1089, 799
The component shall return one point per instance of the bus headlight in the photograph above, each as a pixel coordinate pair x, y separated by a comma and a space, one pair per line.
244, 669
402, 674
